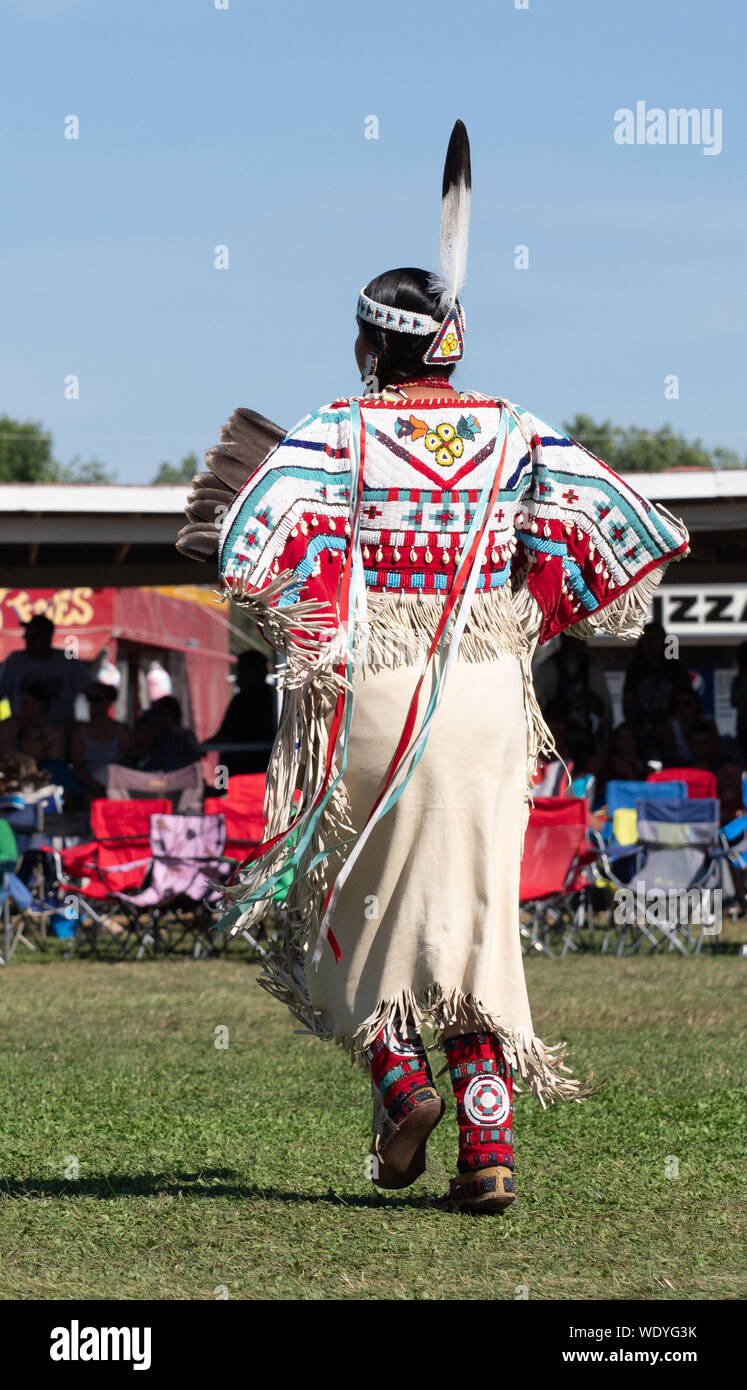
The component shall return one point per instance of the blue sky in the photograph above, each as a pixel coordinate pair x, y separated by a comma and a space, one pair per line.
245, 127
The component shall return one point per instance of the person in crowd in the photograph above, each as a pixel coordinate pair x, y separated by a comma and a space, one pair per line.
675, 731
168, 706
729, 774
100, 742
34, 742
33, 708
705, 745
624, 762
61, 674
739, 697
653, 680
158, 746
574, 676
250, 717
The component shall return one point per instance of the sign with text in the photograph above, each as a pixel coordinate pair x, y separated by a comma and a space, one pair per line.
703, 611
86, 613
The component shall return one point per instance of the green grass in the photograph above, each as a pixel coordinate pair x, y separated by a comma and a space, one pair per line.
244, 1167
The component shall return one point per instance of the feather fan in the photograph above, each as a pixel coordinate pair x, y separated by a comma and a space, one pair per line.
245, 441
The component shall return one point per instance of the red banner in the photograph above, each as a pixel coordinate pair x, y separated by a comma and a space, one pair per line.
87, 614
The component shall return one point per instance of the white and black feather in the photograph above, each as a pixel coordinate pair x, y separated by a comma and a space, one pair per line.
455, 209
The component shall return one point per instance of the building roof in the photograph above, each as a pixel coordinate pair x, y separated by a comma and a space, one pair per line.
60, 534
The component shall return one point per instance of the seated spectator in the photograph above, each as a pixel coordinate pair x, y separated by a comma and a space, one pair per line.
158, 746
34, 744
103, 740
33, 706
705, 745
675, 731
168, 706
624, 762
654, 679
250, 717
63, 676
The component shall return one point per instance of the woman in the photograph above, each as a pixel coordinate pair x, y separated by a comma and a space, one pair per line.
403, 552
103, 740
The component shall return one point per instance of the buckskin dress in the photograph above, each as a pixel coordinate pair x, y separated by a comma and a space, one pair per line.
404, 557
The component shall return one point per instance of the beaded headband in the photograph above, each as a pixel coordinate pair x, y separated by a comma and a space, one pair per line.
401, 320
448, 345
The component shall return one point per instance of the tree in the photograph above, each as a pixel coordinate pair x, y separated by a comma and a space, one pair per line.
90, 471
182, 472
26, 457
25, 452
633, 450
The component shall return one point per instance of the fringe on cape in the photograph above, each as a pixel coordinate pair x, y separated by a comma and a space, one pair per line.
625, 616
310, 685
541, 1067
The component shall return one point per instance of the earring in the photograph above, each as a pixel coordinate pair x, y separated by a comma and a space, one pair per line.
368, 375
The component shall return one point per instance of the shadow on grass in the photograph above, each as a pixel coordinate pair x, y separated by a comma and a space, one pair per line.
213, 1182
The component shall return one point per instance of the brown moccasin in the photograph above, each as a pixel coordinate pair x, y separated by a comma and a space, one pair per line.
398, 1149
486, 1190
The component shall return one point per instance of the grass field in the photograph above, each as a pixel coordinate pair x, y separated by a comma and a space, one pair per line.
242, 1169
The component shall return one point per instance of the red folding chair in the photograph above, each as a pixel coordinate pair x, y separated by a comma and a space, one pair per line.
115, 861
243, 809
700, 783
554, 888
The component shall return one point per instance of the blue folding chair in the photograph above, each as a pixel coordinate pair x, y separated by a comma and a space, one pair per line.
676, 884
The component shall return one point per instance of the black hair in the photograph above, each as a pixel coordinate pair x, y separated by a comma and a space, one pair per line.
169, 707
252, 660
400, 355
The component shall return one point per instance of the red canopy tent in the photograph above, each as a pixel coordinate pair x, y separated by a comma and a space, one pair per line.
183, 629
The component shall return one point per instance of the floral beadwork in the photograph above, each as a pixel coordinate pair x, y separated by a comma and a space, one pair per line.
445, 443
468, 427
412, 428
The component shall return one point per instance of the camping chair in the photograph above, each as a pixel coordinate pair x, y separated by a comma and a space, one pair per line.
26, 813
184, 787
553, 888
551, 779
114, 862
186, 862
621, 798
243, 808
12, 890
678, 870
699, 782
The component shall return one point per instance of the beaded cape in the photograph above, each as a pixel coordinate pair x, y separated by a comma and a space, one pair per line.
563, 521
387, 531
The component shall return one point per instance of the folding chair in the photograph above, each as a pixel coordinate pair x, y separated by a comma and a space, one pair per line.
553, 888
678, 870
699, 782
186, 863
184, 787
26, 813
621, 798
12, 891
243, 808
114, 862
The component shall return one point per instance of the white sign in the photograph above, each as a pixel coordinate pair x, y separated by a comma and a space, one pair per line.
701, 610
